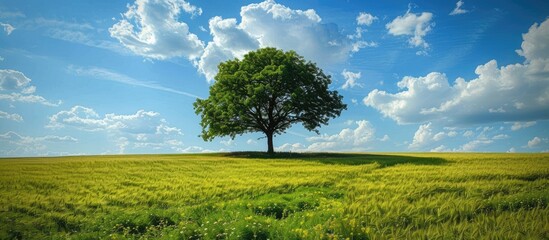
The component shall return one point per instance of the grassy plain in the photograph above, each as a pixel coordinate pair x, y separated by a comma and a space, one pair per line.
290, 196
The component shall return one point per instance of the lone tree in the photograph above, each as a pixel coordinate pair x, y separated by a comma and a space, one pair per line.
267, 91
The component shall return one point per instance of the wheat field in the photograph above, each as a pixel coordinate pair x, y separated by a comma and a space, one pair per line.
286, 196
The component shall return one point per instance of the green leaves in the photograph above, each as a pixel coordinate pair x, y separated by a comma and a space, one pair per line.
267, 91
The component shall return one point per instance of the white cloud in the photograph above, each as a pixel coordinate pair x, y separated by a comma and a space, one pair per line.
151, 28
423, 136
429, 135
197, 149
16, 87
439, 136
229, 41
520, 125
11, 80
289, 147
269, 24
496, 95
11, 116
350, 79
7, 28
534, 46
407, 106
365, 19
410, 24
458, 10
19, 145
74, 32
106, 74
468, 133
17, 97
122, 143
500, 137
87, 119
534, 142
440, 148
58, 24
362, 44
143, 129
473, 145
7, 14
385, 138
17, 138
251, 142
512, 150
346, 138
228, 142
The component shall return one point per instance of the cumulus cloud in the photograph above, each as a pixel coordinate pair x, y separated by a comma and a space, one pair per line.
430, 135
534, 46
229, 41
411, 24
143, 129
11, 116
365, 19
458, 10
11, 80
16, 87
516, 92
269, 24
350, 79
151, 28
346, 138
423, 135
473, 145
87, 119
440, 148
534, 142
385, 138
7, 28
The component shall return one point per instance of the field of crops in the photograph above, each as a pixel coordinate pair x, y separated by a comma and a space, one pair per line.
290, 196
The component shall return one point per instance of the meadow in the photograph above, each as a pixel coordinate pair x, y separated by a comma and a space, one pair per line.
288, 196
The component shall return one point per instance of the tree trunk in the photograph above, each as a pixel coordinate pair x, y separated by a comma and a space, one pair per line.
270, 149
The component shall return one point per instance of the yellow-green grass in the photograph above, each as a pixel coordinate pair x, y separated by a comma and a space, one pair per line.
288, 196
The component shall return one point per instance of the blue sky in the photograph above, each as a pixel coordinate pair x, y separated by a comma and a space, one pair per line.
109, 77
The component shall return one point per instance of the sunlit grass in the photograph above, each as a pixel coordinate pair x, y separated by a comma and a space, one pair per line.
290, 196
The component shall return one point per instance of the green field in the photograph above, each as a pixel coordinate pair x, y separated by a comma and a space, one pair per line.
291, 196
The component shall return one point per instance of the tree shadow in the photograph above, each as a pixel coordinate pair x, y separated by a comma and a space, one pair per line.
384, 160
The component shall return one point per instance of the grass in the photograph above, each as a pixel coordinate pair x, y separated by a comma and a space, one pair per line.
287, 196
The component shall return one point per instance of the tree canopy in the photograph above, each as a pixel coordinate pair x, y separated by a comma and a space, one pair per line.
267, 91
